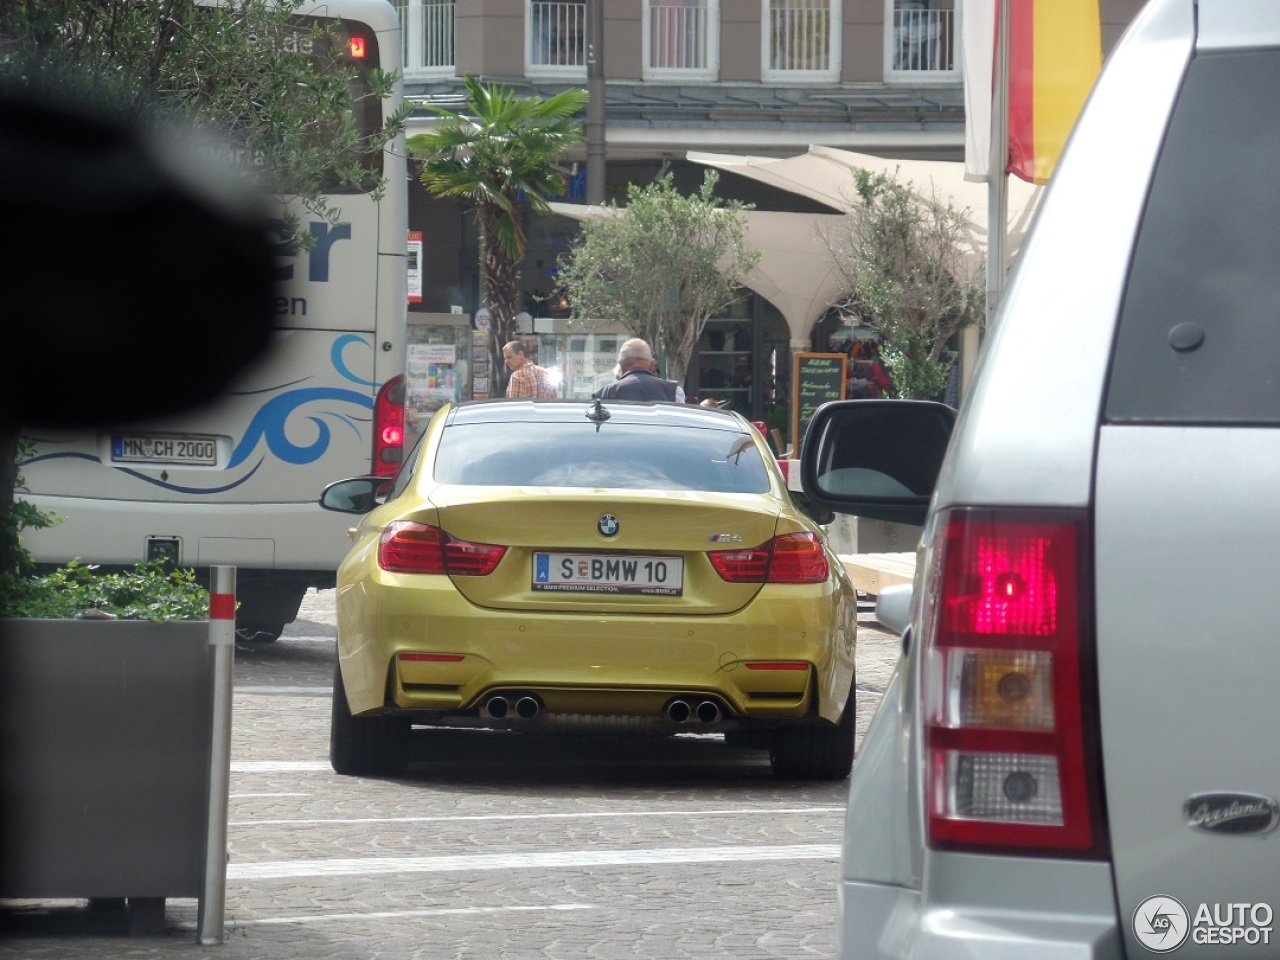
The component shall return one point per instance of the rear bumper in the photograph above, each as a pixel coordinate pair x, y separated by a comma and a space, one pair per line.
588, 664
1070, 915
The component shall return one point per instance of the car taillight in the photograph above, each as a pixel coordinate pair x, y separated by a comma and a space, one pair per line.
1009, 763
408, 547
790, 558
388, 428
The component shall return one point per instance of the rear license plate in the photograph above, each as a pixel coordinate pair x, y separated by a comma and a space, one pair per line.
189, 451
608, 573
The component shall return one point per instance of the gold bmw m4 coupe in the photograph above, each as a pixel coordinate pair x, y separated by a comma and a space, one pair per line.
584, 568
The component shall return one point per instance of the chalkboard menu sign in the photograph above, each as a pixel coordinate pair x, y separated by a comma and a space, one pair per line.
818, 378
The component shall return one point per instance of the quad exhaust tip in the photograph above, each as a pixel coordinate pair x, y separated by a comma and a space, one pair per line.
681, 711
525, 707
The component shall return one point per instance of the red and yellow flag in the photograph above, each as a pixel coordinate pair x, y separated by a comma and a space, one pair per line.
1055, 53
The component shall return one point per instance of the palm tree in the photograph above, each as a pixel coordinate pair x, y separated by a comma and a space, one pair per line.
499, 152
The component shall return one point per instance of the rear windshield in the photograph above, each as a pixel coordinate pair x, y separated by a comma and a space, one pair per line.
1199, 332
624, 455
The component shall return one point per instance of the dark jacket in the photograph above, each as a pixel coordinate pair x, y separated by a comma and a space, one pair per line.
639, 385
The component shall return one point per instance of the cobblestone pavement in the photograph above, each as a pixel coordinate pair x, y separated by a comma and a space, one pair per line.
494, 846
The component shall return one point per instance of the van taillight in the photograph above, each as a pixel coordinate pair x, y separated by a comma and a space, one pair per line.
388, 428
1009, 761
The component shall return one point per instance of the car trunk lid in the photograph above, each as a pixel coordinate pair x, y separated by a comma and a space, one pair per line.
594, 550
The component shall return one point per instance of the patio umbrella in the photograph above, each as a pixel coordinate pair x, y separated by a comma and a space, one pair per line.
825, 175
795, 272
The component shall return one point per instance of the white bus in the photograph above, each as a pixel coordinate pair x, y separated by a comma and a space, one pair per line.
237, 482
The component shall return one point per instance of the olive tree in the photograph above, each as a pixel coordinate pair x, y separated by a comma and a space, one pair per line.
912, 276
264, 87
661, 265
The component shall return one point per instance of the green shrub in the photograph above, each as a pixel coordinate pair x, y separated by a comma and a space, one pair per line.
150, 591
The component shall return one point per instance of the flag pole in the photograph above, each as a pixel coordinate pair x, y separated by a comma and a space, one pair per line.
997, 178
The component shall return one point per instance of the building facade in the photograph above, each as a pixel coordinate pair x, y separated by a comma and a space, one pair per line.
757, 77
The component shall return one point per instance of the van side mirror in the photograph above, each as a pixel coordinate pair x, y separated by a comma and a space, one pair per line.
877, 459
357, 495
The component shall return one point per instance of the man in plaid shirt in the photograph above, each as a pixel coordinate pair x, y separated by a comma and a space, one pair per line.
527, 378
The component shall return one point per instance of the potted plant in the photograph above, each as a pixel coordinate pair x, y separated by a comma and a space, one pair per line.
106, 726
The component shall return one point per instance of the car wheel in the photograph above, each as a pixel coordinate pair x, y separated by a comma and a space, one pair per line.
822, 752
372, 746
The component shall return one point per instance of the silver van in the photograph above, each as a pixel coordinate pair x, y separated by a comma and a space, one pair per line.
1079, 754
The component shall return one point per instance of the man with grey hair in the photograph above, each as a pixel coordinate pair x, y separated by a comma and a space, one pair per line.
636, 380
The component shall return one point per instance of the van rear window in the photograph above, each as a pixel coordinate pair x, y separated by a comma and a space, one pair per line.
1199, 333
619, 455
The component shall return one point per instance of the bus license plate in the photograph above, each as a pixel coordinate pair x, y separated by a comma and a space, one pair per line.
608, 573
188, 451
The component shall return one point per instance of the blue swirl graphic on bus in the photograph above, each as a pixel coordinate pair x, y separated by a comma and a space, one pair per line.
269, 424
200, 490
339, 364
154, 481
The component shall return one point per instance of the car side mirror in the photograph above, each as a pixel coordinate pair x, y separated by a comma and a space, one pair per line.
357, 495
877, 459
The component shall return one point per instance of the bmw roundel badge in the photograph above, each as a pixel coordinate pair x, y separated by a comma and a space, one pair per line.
608, 525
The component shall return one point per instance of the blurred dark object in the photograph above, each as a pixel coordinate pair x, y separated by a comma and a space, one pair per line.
137, 278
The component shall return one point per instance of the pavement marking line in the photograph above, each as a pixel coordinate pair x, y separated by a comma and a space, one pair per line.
398, 914
584, 815
279, 766
248, 796
293, 691
572, 859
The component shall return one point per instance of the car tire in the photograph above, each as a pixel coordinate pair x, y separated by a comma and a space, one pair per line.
369, 746
820, 752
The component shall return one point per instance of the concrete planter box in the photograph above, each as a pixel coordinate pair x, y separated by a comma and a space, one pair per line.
106, 730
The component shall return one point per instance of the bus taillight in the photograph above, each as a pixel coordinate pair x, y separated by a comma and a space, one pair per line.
388, 428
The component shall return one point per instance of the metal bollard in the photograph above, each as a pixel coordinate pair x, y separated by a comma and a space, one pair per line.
222, 634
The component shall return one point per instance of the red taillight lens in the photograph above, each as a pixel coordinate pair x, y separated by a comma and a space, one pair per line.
408, 547
388, 428
1008, 759
742, 566
798, 558
790, 558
